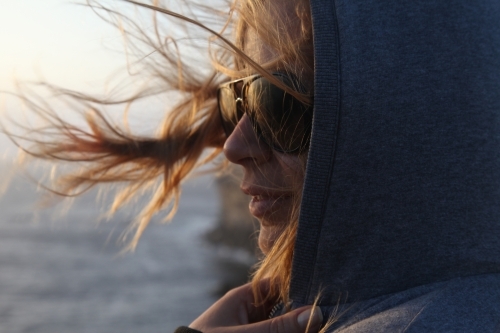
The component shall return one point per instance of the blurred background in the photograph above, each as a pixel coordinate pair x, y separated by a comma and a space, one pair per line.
60, 267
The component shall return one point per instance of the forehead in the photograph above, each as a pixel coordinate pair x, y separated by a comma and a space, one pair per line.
256, 49
254, 45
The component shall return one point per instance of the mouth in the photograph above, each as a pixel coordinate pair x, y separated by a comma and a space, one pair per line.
264, 205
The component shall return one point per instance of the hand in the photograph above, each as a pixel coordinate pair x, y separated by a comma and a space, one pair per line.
236, 312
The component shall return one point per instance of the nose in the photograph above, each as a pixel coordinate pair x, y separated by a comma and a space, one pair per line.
244, 145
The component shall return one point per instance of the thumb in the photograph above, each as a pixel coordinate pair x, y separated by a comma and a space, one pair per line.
297, 321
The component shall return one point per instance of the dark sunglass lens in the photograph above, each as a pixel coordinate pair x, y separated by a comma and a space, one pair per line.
228, 109
281, 119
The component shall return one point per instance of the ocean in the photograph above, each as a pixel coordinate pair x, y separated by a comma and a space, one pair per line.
63, 272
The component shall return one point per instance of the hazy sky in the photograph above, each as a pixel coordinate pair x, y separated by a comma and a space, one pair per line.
56, 40
64, 44
62, 41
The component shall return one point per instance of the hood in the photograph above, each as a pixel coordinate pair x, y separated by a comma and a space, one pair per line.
403, 178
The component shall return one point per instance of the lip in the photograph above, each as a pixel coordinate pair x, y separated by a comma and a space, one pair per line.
265, 203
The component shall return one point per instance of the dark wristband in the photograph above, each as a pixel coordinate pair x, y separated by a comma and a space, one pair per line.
185, 329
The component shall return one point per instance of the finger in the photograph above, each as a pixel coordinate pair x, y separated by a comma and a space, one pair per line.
296, 321
311, 319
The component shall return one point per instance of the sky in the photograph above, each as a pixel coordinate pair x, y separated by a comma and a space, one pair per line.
55, 39
62, 43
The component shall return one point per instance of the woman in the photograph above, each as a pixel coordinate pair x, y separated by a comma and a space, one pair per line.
398, 228
399, 220
271, 48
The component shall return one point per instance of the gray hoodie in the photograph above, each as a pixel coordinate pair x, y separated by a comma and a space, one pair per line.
400, 218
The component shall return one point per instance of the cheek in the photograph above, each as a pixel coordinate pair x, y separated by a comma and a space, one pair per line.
292, 168
291, 171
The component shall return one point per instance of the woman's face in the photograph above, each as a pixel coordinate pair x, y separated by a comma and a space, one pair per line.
273, 180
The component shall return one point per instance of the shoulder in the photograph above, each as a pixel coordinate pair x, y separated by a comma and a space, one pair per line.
463, 305
470, 304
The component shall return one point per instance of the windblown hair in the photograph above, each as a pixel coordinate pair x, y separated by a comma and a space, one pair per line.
106, 153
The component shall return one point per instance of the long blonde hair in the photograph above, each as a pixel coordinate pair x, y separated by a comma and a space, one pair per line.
108, 153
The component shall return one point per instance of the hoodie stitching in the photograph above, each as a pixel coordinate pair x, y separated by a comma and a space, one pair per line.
312, 278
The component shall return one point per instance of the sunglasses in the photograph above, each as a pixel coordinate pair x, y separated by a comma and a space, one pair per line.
279, 119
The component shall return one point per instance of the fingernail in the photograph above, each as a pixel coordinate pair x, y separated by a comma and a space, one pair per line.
317, 317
